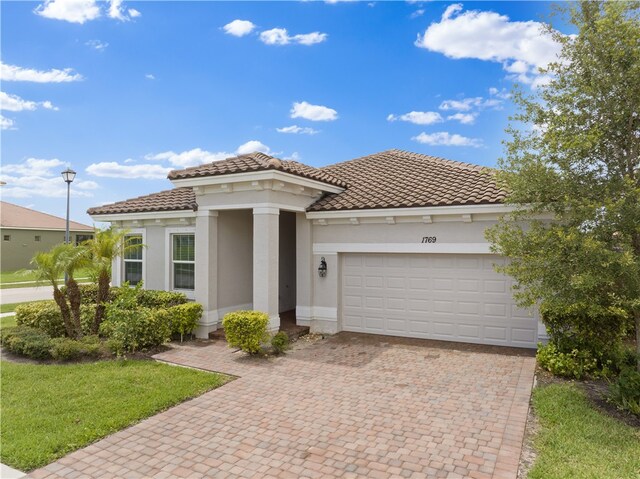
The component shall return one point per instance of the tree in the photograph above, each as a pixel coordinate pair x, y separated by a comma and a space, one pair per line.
72, 259
572, 173
49, 267
107, 245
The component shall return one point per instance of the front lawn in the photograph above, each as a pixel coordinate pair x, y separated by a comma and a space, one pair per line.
51, 410
577, 441
8, 321
27, 278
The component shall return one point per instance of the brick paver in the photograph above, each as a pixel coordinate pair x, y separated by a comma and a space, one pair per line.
348, 406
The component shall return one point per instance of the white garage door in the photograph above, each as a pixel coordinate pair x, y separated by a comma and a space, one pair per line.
435, 296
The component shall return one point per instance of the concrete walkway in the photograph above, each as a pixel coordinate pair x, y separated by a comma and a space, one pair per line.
350, 406
7, 472
21, 295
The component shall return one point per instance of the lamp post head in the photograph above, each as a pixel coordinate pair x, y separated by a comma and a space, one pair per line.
68, 175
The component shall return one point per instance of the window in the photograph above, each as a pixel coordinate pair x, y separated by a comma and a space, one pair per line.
7, 237
133, 259
183, 261
38, 238
82, 238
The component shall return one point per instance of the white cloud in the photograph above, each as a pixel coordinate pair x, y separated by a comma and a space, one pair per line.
521, 47
468, 104
118, 12
239, 28
194, 157
97, 45
297, 129
150, 76
15, 73
6, 123
74, 11
280, 36
417, 13
443, 138
464, 118
502, 94
313, 112
252, 146
15, 103
40, 177
112, 169
295, 156
418, 117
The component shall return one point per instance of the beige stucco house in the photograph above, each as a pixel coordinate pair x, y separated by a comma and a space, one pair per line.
24, 232
401, 235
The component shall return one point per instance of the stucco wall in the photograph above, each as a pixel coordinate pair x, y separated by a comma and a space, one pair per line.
18, 251
235, 259
156, 263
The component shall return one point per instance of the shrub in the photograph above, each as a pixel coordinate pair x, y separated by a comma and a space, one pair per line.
280, 342
155, 299
46, 316
246, 330
625, 390
26, 341
182, 319
66, 349
574, 364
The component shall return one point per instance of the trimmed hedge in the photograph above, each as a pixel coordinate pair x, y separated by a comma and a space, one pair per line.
26, 341
246, 330
182, 319
46, 316
280, 342
66, 349
155, 299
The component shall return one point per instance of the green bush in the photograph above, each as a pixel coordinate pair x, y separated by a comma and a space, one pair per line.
246, 330
26, 341
280, 342
66, 349
574, 364
46, 316
154, 299
182, 319
625, 390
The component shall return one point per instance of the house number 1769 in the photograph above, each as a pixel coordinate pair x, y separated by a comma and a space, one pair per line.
428, 239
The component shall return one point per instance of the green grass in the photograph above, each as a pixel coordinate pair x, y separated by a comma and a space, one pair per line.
27, 278
51, 410
577, 441
8, 322
11, 307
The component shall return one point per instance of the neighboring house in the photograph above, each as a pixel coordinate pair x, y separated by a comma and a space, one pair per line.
401, 234
24, 232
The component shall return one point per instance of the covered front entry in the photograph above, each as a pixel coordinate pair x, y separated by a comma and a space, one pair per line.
454, 297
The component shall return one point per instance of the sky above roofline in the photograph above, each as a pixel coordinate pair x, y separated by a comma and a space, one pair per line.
124, 92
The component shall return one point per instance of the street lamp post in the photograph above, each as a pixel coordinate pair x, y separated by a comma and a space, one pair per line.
68, 175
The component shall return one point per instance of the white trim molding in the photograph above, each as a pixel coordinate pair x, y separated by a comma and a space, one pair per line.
168, 232
146, 215
134, 232
418, 211
442, 248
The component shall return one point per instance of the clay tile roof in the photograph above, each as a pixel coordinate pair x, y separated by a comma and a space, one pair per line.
398, 179
170, 200
14, 216
256, 162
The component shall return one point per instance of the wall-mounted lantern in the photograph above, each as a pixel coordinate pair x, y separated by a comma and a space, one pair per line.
322, 269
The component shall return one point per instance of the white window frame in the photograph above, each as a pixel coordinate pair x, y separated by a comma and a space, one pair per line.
168, 280
135, 232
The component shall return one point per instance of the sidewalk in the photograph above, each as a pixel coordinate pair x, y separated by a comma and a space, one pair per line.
7, 472
21, 295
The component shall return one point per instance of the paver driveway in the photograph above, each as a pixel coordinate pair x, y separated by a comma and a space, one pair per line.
349, 406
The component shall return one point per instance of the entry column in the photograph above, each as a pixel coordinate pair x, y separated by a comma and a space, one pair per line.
266, 225
206, 274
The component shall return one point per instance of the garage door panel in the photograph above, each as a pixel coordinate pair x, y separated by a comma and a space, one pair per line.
451, 297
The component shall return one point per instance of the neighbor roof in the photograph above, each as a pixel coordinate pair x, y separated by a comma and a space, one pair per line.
401, 179
14, 216
390, 179
176, 199
255, 162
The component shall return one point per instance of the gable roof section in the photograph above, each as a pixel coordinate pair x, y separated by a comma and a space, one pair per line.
400, 179
14, 216
256, 162
177, 199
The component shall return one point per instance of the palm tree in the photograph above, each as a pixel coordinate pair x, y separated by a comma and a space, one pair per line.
73, 258
107, 245
49, 266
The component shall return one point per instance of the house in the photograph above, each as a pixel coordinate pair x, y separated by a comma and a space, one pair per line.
25, 232
392, 243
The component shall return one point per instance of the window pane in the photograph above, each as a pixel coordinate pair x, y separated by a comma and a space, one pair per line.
133, 272
183, 276
184, 247
134, 248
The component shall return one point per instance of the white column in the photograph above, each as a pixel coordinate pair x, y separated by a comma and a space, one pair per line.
265, 263
304, 269
206, 287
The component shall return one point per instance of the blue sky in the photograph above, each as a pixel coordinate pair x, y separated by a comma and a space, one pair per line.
125, 91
